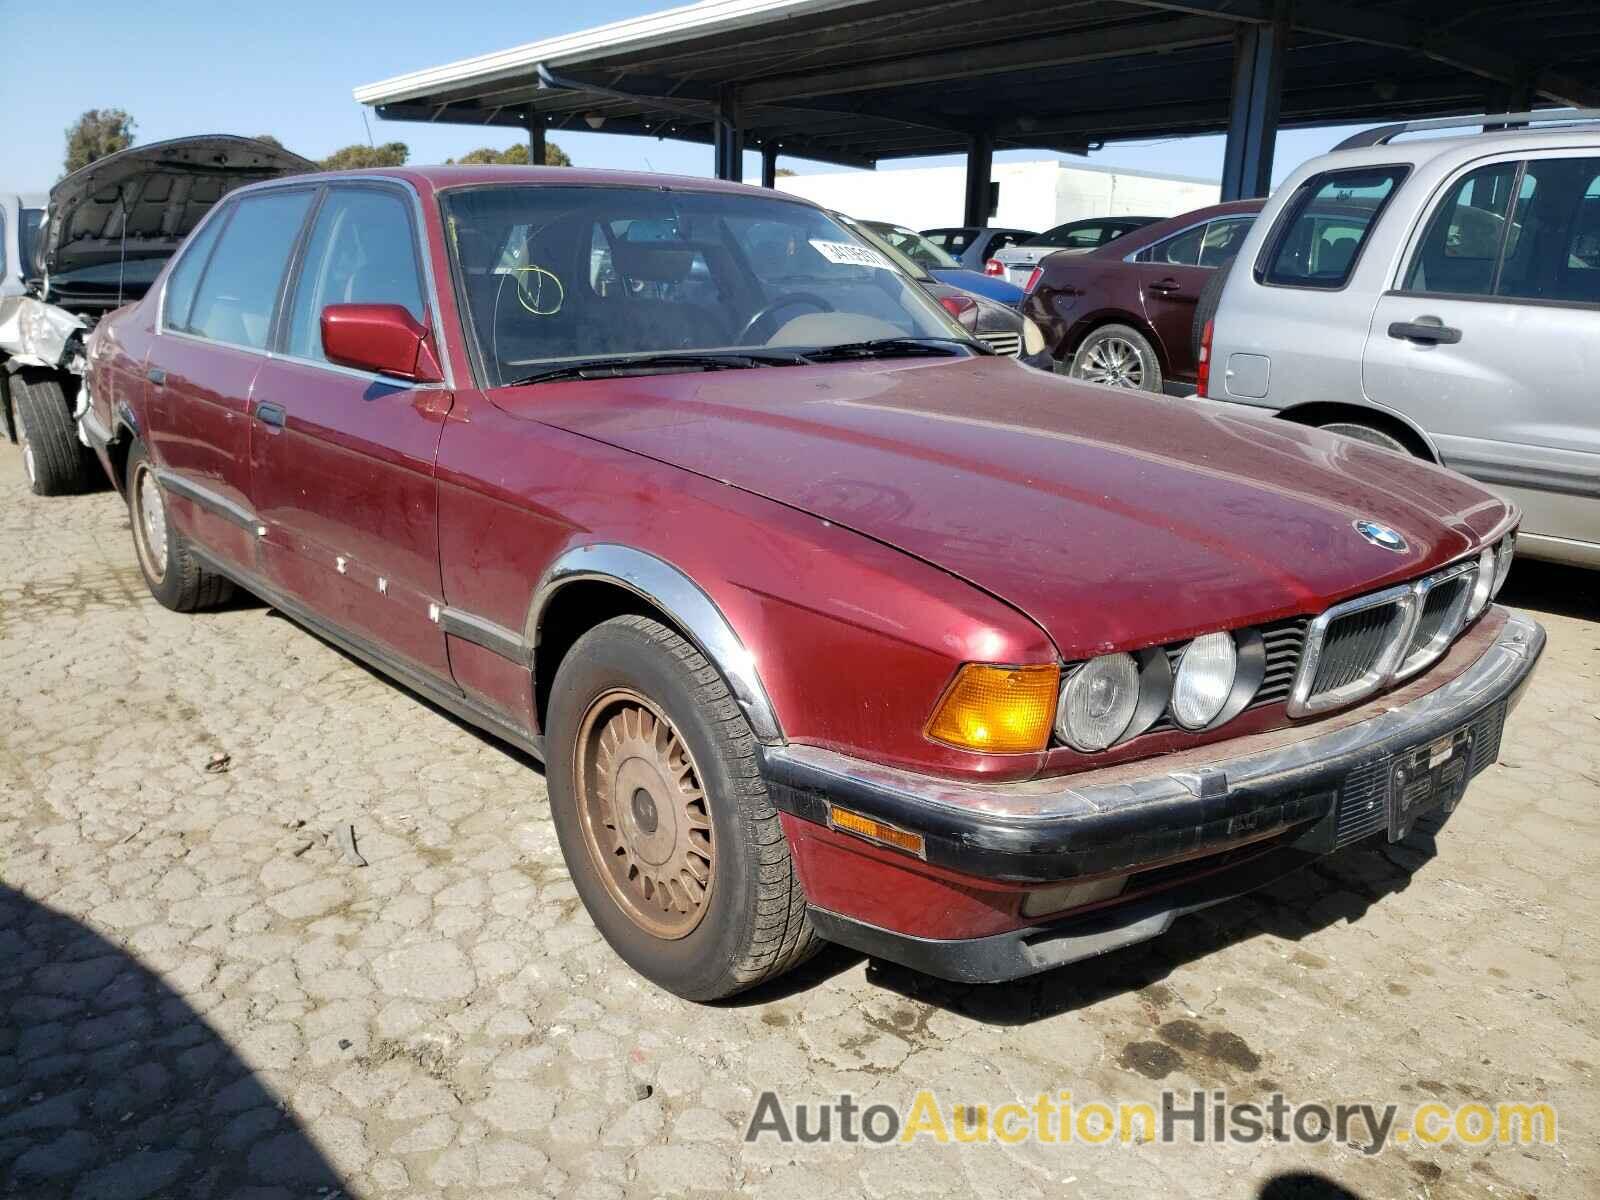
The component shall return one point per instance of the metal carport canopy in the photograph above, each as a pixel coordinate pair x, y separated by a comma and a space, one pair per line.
859, 81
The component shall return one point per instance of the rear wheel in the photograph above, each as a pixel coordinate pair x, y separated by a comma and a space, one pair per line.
663, 815
1366, 433
56, 462
173, 574
1118, 356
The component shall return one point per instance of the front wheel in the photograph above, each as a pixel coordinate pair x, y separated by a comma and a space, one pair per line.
1118, 356
663, 815
56, 462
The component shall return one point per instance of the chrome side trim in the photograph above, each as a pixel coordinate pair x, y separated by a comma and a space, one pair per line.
674, 593
207, 499
507, 643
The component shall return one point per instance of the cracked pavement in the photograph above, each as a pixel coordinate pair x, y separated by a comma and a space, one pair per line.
200, 995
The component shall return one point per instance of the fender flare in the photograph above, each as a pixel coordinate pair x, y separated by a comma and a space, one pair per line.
669, 589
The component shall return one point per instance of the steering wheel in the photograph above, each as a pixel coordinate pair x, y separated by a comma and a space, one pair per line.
778, 305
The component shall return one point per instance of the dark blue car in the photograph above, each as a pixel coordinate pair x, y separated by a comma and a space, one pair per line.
944, 268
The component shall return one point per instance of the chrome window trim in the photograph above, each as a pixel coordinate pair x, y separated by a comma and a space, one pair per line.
1133, 256
425, 258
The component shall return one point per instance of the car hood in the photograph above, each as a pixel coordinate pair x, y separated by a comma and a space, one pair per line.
164, 189
989, 287
1113, 519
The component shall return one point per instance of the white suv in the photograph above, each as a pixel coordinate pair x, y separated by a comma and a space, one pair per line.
1440, 297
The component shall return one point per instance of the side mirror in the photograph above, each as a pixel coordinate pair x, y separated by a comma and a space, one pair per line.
383, 338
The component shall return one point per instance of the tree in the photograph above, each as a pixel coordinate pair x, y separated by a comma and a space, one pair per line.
390, 154
99, 132
269, 140
782, 173
515, 155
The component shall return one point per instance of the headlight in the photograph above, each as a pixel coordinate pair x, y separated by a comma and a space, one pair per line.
1032, 337
1502, 566
1204, 680
1098, 702
997, 710
1483, 584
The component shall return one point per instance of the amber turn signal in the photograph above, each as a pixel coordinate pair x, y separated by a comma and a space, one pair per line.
876, 831
997, 710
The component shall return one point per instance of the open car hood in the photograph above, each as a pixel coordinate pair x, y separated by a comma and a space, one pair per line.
142, 202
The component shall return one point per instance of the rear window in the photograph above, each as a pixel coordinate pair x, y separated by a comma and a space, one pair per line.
238, 290
1320, 236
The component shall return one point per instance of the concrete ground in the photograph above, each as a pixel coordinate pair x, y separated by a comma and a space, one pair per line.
200, 995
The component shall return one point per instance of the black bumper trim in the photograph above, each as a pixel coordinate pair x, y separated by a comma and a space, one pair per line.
1048, 830
1021, 952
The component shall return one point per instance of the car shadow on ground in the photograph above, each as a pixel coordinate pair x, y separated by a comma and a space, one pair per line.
1304, 1185
1340, 887
111, 1084
1553, 588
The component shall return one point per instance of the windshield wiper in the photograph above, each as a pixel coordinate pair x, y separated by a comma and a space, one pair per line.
653, 364
896, 347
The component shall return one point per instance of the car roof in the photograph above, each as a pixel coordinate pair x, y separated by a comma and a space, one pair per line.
454, 175
1416, 150
1150, 234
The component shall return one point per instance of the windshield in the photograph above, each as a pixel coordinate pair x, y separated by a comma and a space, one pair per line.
553, 273
914, 246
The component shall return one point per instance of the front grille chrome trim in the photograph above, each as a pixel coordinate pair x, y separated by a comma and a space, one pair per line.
1419, 658
1303, 702
1398, 659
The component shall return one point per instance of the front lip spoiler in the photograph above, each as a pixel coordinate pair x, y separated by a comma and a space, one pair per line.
1054, 829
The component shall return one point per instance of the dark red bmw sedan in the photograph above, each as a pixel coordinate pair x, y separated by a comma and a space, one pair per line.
825, 622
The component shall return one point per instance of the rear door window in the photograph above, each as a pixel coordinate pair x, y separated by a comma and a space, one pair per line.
1552, 250
238, 290
1179, 250
186, 272
1324, 227
1459, 250
361, 251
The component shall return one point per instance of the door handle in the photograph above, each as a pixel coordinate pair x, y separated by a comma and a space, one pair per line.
157, 376
271, 414
1165, 285
1425, 329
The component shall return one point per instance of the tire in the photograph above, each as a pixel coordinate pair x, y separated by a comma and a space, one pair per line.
1118, 356
171, 571
1366, 433
637, 711
1205, 309
8, 417
56, 462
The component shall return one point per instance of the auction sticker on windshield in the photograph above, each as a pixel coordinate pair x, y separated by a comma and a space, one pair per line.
850, 255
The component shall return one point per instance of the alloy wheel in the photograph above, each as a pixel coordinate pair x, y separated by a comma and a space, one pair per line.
644, 814
1115, 362
150, 522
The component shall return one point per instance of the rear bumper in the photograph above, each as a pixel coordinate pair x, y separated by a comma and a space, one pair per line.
1297, 792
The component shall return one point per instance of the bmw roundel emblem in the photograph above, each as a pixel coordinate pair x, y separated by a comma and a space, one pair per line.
1382, 536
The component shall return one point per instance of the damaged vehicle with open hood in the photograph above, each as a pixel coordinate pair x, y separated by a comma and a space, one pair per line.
107, 231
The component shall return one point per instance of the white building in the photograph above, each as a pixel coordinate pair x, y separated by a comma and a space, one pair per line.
1033, 195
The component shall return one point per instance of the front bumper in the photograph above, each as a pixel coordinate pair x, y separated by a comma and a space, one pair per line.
1318, 787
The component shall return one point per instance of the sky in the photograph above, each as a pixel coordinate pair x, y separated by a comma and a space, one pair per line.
287, 68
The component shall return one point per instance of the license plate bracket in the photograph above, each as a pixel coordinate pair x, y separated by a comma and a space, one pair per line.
1432, 776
